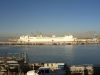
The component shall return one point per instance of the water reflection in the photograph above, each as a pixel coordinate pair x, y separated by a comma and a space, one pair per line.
71, 54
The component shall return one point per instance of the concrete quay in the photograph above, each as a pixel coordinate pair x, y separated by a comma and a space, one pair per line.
51, 43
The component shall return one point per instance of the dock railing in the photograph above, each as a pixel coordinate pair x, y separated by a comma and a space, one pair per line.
14, 56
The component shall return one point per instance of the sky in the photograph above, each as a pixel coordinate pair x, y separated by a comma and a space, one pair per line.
49, 17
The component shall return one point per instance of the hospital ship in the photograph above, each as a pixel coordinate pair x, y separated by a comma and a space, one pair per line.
41, 38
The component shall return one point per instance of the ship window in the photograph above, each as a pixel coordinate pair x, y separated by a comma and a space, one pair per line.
46, 71
42, 71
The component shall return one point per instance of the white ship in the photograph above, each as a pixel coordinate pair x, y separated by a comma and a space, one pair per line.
41, 39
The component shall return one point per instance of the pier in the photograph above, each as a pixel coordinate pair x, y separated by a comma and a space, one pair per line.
13, 63
79, 42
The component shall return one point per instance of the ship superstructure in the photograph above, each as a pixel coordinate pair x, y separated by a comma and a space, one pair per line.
41, 38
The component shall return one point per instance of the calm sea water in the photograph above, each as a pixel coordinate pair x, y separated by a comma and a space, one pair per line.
70, 54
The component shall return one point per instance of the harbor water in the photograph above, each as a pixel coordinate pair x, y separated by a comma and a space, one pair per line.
70, 54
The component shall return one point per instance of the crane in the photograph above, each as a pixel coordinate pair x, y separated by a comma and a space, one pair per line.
95, 38
32, 34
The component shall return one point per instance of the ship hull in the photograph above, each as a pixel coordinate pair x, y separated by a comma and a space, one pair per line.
46, 39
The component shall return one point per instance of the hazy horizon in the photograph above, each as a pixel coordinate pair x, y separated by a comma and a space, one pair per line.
49, 17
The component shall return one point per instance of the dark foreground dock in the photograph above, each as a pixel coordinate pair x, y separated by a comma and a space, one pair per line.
18, 64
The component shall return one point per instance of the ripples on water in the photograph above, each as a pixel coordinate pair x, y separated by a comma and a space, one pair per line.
70, 54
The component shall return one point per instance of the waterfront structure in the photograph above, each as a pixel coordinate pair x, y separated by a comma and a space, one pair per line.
82, 69
18, 64
13, 63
